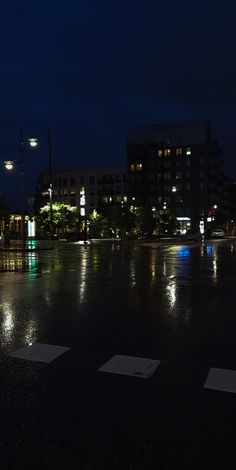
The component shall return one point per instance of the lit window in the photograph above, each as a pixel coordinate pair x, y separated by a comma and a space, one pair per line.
179, 151
82, 211
167, 152
160, 153
72, 192
139, 166
65, 192
132, 167
188, 151
125, 198
118, 198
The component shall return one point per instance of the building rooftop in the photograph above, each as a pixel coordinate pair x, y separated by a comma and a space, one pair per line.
179, 133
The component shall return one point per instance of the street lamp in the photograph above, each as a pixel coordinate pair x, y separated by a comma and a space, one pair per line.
50, 178
9, 165
33, 143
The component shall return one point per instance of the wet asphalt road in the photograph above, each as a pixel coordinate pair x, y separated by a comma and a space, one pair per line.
170, 302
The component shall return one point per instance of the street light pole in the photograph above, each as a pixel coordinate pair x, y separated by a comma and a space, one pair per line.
50, 179
22, 172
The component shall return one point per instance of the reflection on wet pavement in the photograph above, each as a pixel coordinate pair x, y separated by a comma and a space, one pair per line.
39, 291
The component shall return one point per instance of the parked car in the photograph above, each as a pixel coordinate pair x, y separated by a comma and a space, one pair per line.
218, 233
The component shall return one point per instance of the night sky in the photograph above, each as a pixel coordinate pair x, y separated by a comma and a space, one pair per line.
94, 69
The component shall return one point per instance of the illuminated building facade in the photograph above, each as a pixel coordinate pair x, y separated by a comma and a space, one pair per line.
86, 189
12, 225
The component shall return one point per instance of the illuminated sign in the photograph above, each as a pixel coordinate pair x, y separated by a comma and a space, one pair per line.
31, 228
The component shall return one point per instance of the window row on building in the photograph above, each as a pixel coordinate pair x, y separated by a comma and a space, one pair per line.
177, 151
92, 180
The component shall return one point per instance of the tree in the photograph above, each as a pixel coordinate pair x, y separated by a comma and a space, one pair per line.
121, 220
167, 224
64, 216
144, 220
98, 225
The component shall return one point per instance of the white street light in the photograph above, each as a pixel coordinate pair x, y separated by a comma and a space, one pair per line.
174, 189
33, 142
9, 165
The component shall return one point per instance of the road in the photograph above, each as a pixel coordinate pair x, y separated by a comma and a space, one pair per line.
173, 303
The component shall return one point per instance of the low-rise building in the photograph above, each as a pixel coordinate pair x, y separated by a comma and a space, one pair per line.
85, 189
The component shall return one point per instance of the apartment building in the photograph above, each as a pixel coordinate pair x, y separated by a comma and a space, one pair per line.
177, 168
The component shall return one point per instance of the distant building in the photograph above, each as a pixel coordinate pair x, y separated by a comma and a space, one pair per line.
176, 168
86, 189
230, 204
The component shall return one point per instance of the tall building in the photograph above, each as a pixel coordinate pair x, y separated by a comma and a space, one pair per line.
85, 189
176, 168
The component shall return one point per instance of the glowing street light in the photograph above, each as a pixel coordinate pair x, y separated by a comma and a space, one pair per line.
174, 189
9, 165
33, 142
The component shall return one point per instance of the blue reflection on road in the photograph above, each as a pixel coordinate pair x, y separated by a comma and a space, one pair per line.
183, 252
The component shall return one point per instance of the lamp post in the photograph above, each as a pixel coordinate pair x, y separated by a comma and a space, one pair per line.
9, 166
33, 143
50, 179
22, 172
